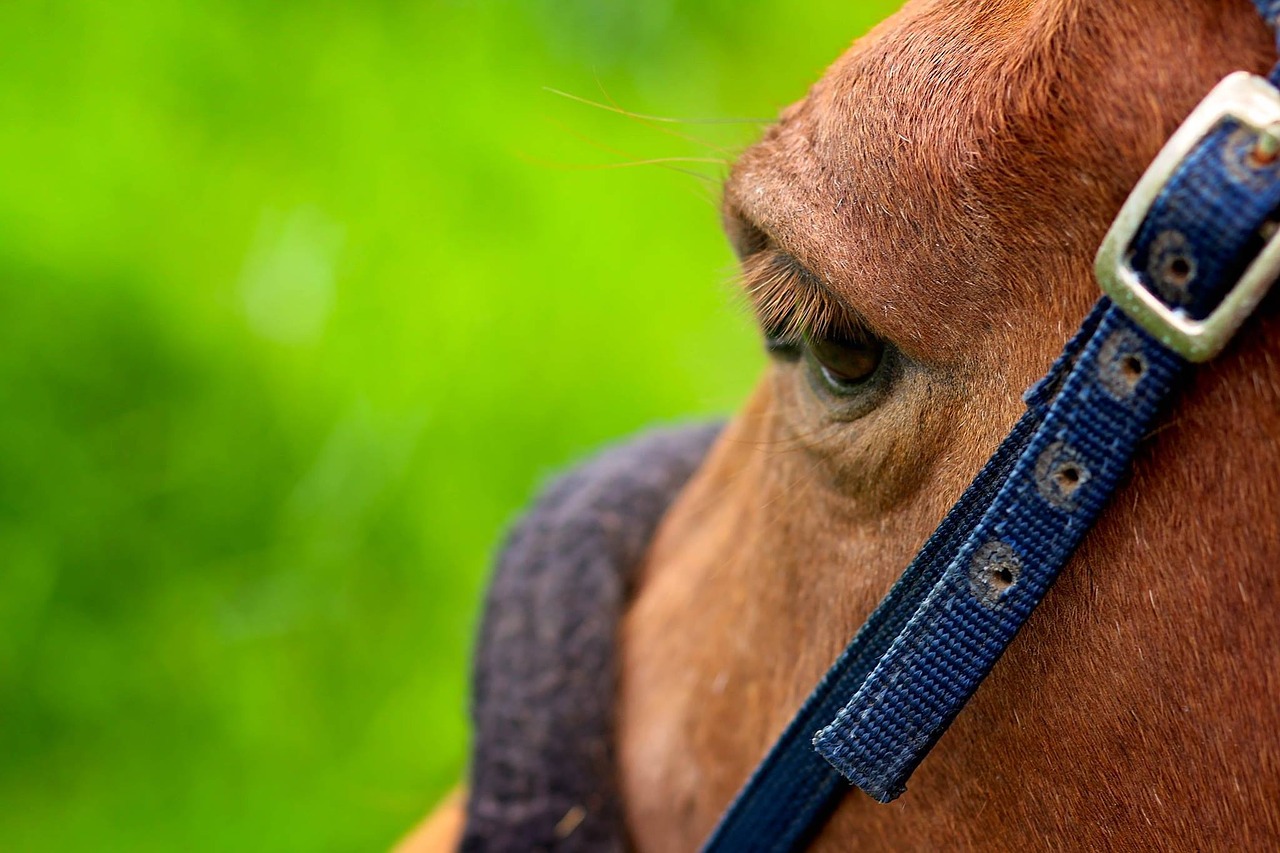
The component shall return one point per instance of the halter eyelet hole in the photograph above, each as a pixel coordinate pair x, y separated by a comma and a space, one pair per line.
1171, 263
1122, 364
1059, 475
994, 572
1178, 270
1068, 477
1132, 367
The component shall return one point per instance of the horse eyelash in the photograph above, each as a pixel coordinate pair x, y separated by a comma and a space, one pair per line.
791, 305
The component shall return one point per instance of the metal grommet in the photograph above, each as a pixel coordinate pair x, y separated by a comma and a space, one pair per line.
1266, 149
1171, 266
993, 572
1252, 158
1121, 364
1060, 475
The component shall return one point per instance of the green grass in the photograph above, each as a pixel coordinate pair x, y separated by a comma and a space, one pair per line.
300, 302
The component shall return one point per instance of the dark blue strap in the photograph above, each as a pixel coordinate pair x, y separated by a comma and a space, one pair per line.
1007, 562
937, 634
1270, 11
794, 789
1196, 241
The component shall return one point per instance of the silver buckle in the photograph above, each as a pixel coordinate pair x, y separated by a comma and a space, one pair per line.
1255, 103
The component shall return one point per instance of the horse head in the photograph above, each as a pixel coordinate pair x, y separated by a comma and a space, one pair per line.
917, 238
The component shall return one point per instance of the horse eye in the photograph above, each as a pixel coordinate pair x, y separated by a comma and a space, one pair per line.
845, 363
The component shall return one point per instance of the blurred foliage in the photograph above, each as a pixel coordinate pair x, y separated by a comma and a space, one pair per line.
300, 301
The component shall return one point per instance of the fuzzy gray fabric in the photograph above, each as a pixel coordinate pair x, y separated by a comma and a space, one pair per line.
543, 766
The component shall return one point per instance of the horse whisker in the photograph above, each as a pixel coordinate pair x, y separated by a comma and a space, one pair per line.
663, 119
659, 126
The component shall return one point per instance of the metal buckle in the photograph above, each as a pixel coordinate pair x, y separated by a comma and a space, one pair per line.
1253, 102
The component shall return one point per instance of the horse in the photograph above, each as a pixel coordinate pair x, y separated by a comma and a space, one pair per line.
917, 239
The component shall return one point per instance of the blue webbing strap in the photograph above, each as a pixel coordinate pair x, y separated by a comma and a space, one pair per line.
1210, 215
794, 788
1270, 11
931, 642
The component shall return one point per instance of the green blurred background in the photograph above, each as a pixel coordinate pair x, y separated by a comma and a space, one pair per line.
300, 302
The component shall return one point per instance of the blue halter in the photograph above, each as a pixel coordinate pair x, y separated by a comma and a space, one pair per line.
1190, 256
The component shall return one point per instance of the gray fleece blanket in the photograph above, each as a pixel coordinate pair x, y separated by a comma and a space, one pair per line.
543, 764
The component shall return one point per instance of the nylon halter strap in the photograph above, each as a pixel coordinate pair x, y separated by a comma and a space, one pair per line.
1190, 256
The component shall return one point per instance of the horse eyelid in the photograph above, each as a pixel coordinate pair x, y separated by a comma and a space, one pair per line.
791, 303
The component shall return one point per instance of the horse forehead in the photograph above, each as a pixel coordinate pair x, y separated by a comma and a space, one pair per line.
909, 171
966, 112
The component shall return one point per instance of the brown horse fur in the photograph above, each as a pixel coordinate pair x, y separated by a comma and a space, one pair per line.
947, 182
